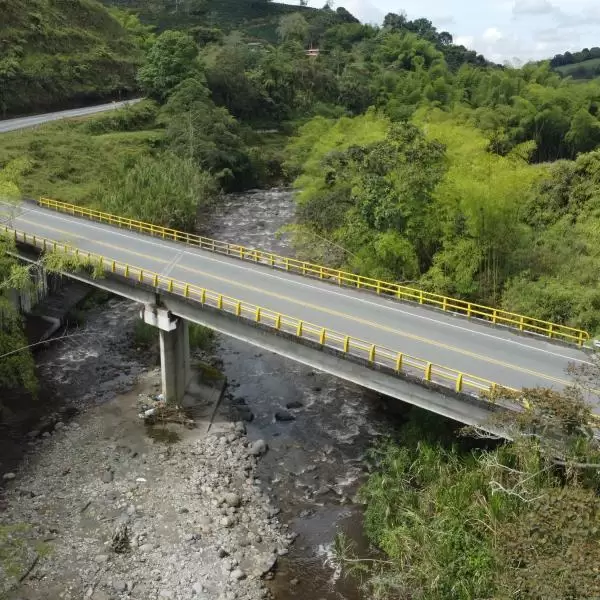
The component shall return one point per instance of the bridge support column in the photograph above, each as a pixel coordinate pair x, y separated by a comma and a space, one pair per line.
174, 351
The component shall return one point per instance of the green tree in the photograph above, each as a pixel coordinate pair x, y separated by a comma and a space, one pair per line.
171, 59
559, 280
205, 134
584, 134
17, 370
478, 206
233, 78
293, 27
371, 196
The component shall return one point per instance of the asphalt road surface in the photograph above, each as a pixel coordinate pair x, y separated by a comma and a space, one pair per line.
25, 122
452, 341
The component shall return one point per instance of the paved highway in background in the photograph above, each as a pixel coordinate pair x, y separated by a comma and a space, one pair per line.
468, 346
25, 122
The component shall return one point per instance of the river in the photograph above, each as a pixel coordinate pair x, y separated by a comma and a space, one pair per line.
314, 465
315, 461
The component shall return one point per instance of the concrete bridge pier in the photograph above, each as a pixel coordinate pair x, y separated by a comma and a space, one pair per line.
174, 351
25, 300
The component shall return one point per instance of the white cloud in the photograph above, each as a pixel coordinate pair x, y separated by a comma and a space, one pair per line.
499, 29
444, 21
533, 7
492, 35
363, 10
464, 40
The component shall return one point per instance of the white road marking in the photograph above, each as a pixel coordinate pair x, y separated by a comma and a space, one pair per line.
167, 270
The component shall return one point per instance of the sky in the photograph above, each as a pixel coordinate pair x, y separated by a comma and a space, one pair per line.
512, 31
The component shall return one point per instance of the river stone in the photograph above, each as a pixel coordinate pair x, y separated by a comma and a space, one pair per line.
295, 404
258, 448
101, 558
8, 476
238, 574
245, 414
108, 475
228, 564
197, 588
284, 416
265, 564
232, 500
227, 522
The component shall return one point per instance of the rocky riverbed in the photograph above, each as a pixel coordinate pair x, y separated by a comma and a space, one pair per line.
101, 510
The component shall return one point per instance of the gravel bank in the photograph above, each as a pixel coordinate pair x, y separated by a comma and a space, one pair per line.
101, 510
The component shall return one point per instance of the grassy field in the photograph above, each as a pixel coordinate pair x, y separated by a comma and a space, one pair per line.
66, 162
589, 69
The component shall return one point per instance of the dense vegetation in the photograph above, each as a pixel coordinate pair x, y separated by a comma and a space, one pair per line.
500, 212
55, 54
416, 159
400, 134
461, 519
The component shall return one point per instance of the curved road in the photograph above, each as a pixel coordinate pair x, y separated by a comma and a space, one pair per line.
25, 122
451, 341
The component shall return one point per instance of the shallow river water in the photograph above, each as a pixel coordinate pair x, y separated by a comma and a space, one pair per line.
314, 464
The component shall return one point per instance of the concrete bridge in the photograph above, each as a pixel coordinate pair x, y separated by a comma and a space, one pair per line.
434, 352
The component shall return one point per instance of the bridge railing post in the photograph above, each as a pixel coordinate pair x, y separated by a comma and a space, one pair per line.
459, 382
428, 371
372, 354
399, 362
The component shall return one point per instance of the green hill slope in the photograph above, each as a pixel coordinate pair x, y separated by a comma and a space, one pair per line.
588, 69
255, 18
57, 53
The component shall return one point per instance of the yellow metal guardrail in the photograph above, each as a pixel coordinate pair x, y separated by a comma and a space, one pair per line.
374, 355
469, 309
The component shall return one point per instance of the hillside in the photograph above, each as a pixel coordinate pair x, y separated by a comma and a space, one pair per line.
578, 65
256, 18
588, 69
57, 53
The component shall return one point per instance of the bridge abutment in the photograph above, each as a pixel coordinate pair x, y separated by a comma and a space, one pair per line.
174, 334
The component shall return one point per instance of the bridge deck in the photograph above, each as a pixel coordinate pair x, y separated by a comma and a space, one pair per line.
468, 346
